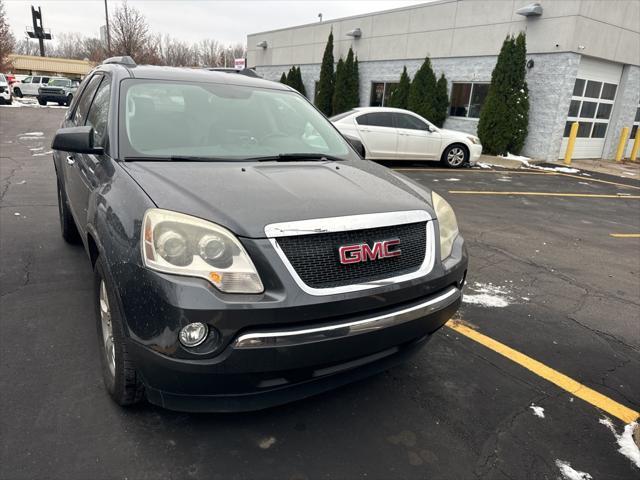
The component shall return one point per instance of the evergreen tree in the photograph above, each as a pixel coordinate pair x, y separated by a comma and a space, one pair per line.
400, 95
341, 89
283, 78
290, 77
442, 101
355, 85
324, 93
299, 82
422, 93
505, 114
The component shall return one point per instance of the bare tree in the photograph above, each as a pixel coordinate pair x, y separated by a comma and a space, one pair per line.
176, 53
7, 41
130, 33
68, 45
209, 53
94, 49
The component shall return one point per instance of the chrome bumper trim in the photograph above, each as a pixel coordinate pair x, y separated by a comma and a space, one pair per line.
290, 338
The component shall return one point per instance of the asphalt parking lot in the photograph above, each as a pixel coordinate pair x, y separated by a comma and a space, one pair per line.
547, 279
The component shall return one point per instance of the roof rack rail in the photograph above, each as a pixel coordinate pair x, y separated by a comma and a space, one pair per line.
124, 60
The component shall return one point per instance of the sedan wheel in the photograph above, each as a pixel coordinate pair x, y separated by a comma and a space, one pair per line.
455, 156
107, 329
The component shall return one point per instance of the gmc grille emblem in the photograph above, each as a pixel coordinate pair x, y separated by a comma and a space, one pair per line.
364, 253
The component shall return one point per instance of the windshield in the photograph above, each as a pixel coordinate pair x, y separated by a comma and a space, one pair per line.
165, 119
2, 79
59, 82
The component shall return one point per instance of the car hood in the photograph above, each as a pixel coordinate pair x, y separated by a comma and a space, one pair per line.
455, 134
245, 197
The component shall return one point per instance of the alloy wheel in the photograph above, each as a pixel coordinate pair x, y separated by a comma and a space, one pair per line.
107, 329
455, 156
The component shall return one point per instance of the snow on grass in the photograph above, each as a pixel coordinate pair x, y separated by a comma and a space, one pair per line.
483, 165
488, 295
452, 179
628, 447
525, 162
33, 134
537, 411
568, 473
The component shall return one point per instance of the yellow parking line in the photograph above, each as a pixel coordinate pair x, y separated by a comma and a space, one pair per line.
625, 235
543, 194
575, 388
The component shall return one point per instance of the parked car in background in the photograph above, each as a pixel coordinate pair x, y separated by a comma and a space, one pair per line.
396, 134
244, 255
11, 79
5, 90
59, 89
29, 85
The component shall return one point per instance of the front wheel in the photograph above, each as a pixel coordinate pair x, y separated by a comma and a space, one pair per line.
69, 98
120, 376
42, 102
17, 92
455, 156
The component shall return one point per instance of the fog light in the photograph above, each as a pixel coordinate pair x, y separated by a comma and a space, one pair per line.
193, 334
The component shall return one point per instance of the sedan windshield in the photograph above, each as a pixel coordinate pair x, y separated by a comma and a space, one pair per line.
59, 82
206, 120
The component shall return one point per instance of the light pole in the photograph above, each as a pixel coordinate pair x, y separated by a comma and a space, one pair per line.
106, 16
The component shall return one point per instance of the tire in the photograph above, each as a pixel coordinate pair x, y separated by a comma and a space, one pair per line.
17, 92
61, 103
69, 99
67, 225
455, 156
42, 102
119, 373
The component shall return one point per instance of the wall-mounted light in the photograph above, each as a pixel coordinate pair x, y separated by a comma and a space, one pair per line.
531, 10
262, 44
355, 33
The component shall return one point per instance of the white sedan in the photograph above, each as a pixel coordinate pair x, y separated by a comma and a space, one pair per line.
396, 134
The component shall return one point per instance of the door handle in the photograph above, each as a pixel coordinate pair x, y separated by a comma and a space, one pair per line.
70, 160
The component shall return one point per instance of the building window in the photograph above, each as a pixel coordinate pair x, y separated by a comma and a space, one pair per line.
591, 107
381, 92
467, 99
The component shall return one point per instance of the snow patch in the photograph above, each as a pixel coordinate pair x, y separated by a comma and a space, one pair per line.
569, 473
627, 445
525, 162
488, 295
452, 179
483, 165
537, 411
266, 443
629, 173
34, 134
42, 153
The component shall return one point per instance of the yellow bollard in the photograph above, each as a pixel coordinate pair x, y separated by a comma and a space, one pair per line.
572, 141
622, 143
636, 146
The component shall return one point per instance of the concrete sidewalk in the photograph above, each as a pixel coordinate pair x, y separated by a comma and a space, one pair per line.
626, 169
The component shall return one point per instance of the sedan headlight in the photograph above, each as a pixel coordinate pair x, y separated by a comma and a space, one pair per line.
474, 140
184, 245
447, 222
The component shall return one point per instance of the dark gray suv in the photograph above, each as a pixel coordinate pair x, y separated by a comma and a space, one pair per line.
244, 254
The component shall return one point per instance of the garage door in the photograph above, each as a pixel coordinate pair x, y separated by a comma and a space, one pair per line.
594, 94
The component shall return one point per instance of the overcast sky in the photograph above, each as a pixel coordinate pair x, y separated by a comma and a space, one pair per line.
192, 20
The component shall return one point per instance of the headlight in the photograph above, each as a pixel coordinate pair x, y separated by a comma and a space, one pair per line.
474, 140
183, 245
447, 222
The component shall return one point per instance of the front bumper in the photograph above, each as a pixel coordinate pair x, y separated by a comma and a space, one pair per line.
52, 97
281, 345
475, 151
267, 368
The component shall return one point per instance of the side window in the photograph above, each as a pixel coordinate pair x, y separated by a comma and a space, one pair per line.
376, 119
27, 80
99, 112
35, 80
410, 122
84, 102
45, 79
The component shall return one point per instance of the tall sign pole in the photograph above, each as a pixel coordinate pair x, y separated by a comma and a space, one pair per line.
38, 31
106, 16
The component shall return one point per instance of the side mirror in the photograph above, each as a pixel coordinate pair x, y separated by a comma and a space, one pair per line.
356, 144
76, 139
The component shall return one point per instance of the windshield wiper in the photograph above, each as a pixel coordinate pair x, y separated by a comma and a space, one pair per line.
182, 158
294, 157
